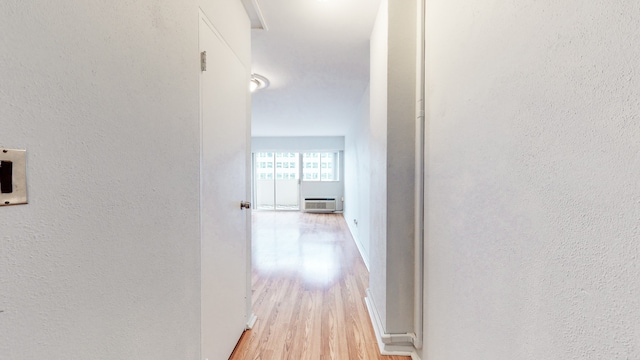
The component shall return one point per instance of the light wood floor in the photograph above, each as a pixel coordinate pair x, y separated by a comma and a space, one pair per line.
308, 291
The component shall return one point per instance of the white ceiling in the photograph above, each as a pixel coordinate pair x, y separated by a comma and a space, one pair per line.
316, 56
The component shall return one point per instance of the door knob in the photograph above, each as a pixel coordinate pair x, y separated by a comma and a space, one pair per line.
245, 205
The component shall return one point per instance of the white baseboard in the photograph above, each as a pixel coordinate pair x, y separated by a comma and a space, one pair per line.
389, 344
252, 321
363, 255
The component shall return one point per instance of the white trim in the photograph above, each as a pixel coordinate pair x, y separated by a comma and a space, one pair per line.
363, 255
389, 344
252, 321
217, 33
255, 14
420, 210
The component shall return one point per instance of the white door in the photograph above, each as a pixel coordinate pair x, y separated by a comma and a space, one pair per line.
224, 95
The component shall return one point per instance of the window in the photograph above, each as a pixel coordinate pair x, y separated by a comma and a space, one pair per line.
320, 166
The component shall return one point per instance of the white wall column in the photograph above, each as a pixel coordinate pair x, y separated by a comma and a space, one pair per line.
392, 150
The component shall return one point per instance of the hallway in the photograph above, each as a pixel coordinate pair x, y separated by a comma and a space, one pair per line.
308, 289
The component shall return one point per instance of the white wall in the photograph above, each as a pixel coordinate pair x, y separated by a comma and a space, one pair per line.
378, 160
357, 179
298, 143
391, 145
103, 263
401, 118
533, 168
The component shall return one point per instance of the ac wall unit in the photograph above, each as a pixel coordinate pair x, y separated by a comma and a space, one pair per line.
319, 204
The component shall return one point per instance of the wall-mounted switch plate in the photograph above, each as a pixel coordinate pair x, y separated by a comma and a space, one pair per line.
13, 177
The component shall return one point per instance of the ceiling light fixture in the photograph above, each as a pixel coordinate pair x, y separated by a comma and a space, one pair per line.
258, 82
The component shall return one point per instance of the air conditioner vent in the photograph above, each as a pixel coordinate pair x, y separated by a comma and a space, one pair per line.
319, 204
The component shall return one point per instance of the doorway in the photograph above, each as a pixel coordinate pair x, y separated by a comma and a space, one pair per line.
276, 180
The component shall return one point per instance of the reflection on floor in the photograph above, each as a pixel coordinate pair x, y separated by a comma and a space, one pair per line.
308, 291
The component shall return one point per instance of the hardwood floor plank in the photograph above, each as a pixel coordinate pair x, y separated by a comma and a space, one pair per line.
308, 287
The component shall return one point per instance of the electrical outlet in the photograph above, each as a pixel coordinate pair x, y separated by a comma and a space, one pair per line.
13, 177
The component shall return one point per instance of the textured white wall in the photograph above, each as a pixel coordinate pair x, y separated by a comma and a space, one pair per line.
533, 199
103, 263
